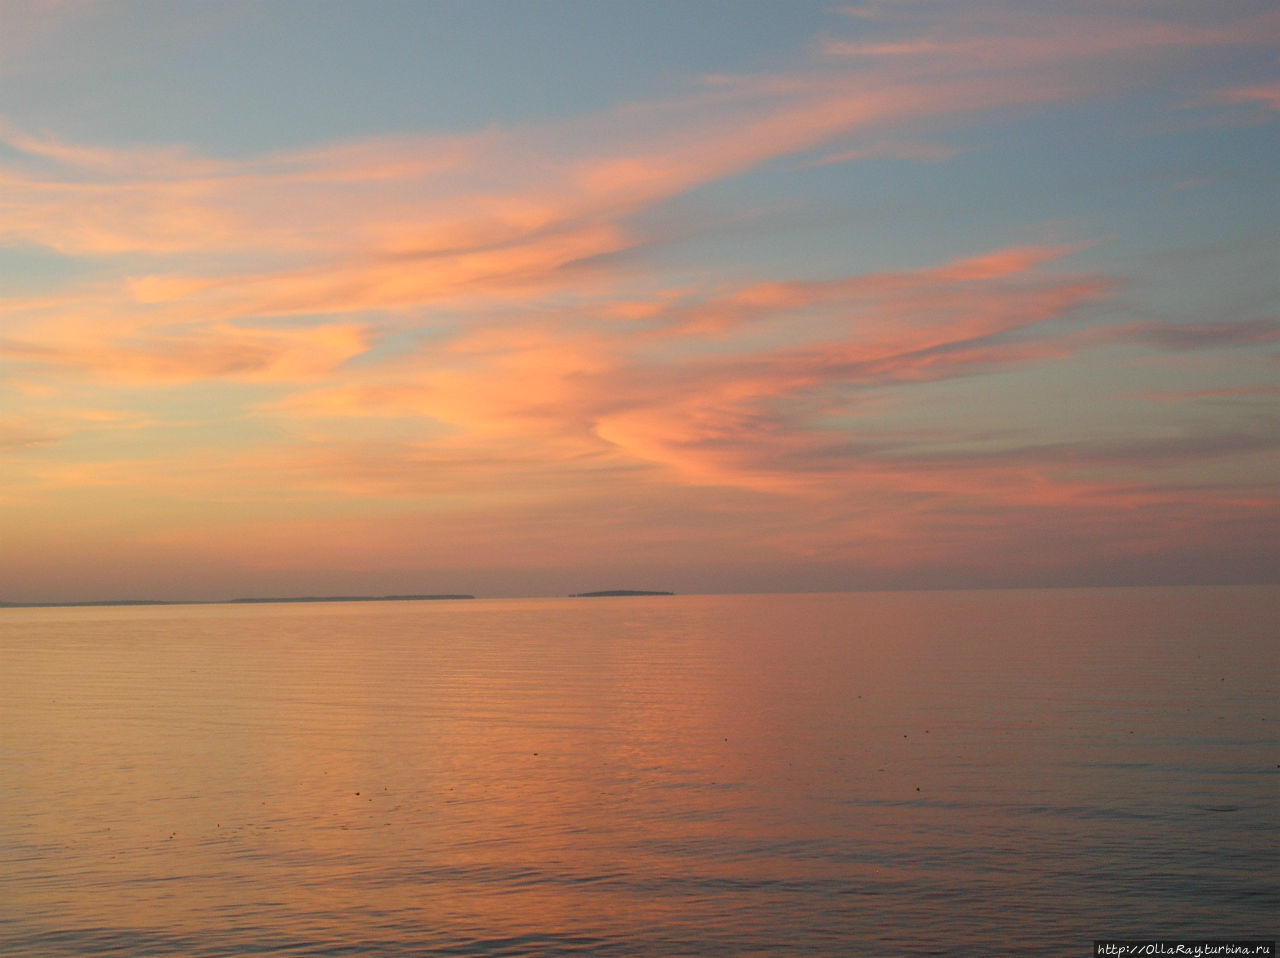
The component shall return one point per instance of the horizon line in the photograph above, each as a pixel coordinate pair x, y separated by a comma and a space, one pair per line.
427, 597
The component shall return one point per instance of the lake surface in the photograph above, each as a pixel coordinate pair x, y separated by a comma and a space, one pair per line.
964, 773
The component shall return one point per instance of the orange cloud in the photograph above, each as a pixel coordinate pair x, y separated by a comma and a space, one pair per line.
218, 352
448, 321
751, 414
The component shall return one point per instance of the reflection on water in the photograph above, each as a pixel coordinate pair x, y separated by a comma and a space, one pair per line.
960, 773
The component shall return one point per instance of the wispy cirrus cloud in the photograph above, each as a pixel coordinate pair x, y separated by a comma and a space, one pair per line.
1240, 392
217, 352
20, 433
1190, 336
451, 319
401, 222
1268, 94
743, 411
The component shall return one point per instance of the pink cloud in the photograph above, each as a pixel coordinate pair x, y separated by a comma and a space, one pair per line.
1268, 94
441, 322
748, 416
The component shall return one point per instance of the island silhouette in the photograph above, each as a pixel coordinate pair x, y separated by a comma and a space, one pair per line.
615, 592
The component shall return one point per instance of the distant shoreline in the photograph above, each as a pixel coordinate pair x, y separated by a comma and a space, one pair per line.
293, 600
273, 600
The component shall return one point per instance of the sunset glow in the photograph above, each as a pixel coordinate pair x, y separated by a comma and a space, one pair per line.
538, 298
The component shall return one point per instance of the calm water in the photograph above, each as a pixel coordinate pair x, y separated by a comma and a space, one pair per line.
885, 774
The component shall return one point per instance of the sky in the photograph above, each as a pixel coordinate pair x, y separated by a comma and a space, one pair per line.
536, 297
